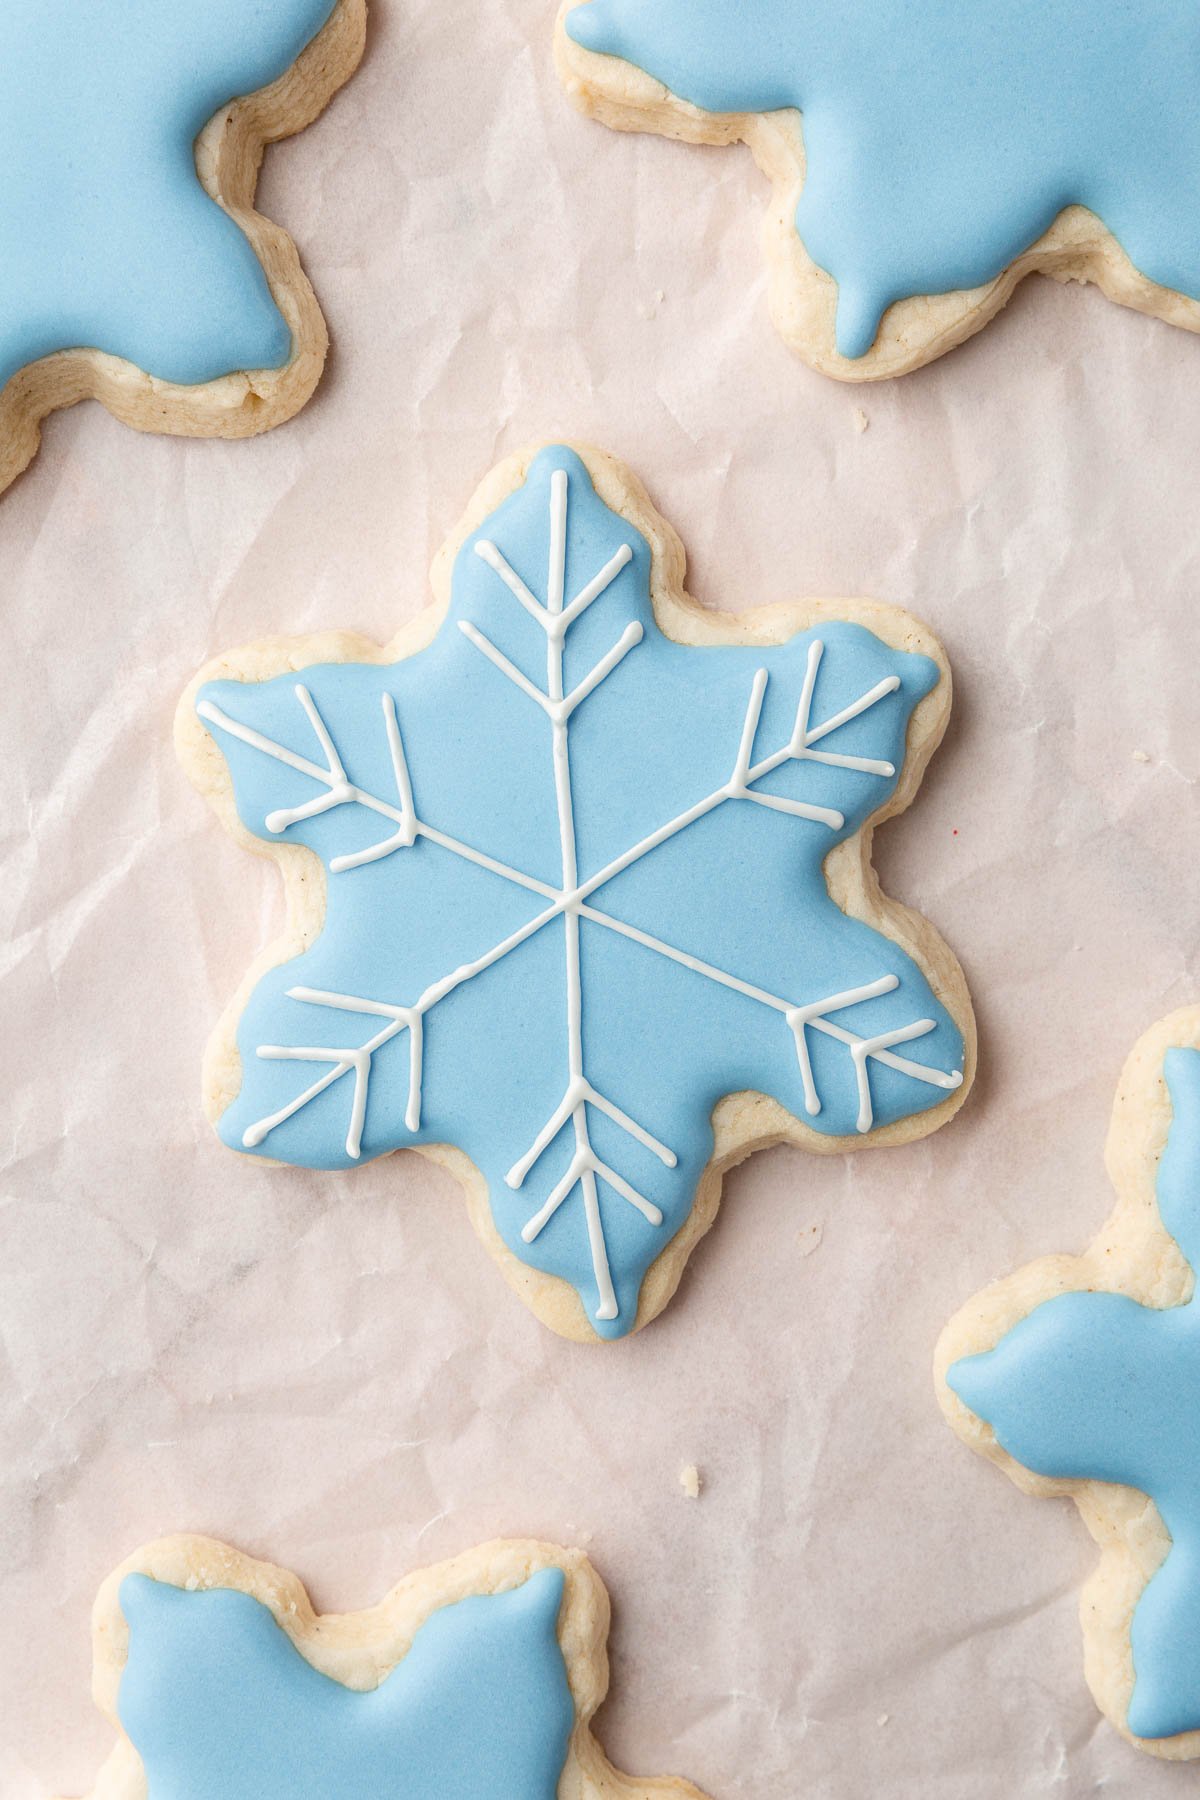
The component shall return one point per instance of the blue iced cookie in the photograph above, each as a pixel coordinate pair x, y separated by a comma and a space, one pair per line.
475, 1678
925, 156
579, 883
133, 267
1081, 1375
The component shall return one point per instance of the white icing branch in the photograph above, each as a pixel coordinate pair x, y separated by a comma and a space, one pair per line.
810, 1016
340, 791
410, 1018
745, 776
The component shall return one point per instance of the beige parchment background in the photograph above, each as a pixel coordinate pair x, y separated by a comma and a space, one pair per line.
328, 1370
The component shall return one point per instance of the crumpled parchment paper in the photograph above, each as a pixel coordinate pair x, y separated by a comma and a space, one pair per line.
328, 1370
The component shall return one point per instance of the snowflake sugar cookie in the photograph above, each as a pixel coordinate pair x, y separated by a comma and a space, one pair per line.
133, 267
598, 884
1081, 1376
474, 1680
925, 157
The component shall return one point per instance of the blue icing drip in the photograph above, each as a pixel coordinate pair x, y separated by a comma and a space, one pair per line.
107, 239
216, 1700
742, 889
1094, 1386
940, 140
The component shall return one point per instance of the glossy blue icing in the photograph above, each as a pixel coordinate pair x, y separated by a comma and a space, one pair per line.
942, 140
107, 239
1095, 1386
218, 1702
742, 888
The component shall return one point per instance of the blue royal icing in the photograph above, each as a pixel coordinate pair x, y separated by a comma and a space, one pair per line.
942, 140
217, 1701
108, 241
1095, 1386
650, 1041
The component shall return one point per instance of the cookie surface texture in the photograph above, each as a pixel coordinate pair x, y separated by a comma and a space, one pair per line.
1081, 1376
925, 157
580, 889
133, 267
477, 1677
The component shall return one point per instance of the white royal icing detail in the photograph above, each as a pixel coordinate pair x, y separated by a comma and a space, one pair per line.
570, 901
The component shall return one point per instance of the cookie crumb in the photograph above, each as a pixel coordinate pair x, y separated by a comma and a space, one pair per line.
1141, 756
689, 1481
809, 1238
861, 420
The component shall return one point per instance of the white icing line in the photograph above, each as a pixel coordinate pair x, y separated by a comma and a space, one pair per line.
322, 736
684, 958
647, 1208
488, 553
502, 663
517, 876
556, 572
608, 1308
871, 698
741, 768
575, 1168
631, 636
596, 586
380, 1009
399, 763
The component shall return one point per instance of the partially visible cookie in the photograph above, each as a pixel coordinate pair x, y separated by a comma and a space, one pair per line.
1080, 1375
474, 1680
924, 158
580, 891
133, 267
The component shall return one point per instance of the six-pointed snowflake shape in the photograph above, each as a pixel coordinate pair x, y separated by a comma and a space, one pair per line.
576, 893
1094, 1386
111, 242
941, 142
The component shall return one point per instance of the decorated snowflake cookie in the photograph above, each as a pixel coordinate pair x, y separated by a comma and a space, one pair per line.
925, 157
1081, 1376
596, 882
133, 267
474, 1680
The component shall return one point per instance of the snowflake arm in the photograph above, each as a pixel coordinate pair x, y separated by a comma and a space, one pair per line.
132, 137
340, 791
132, 256
1098, 1387
528, 681
1093, 1343
915, 180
